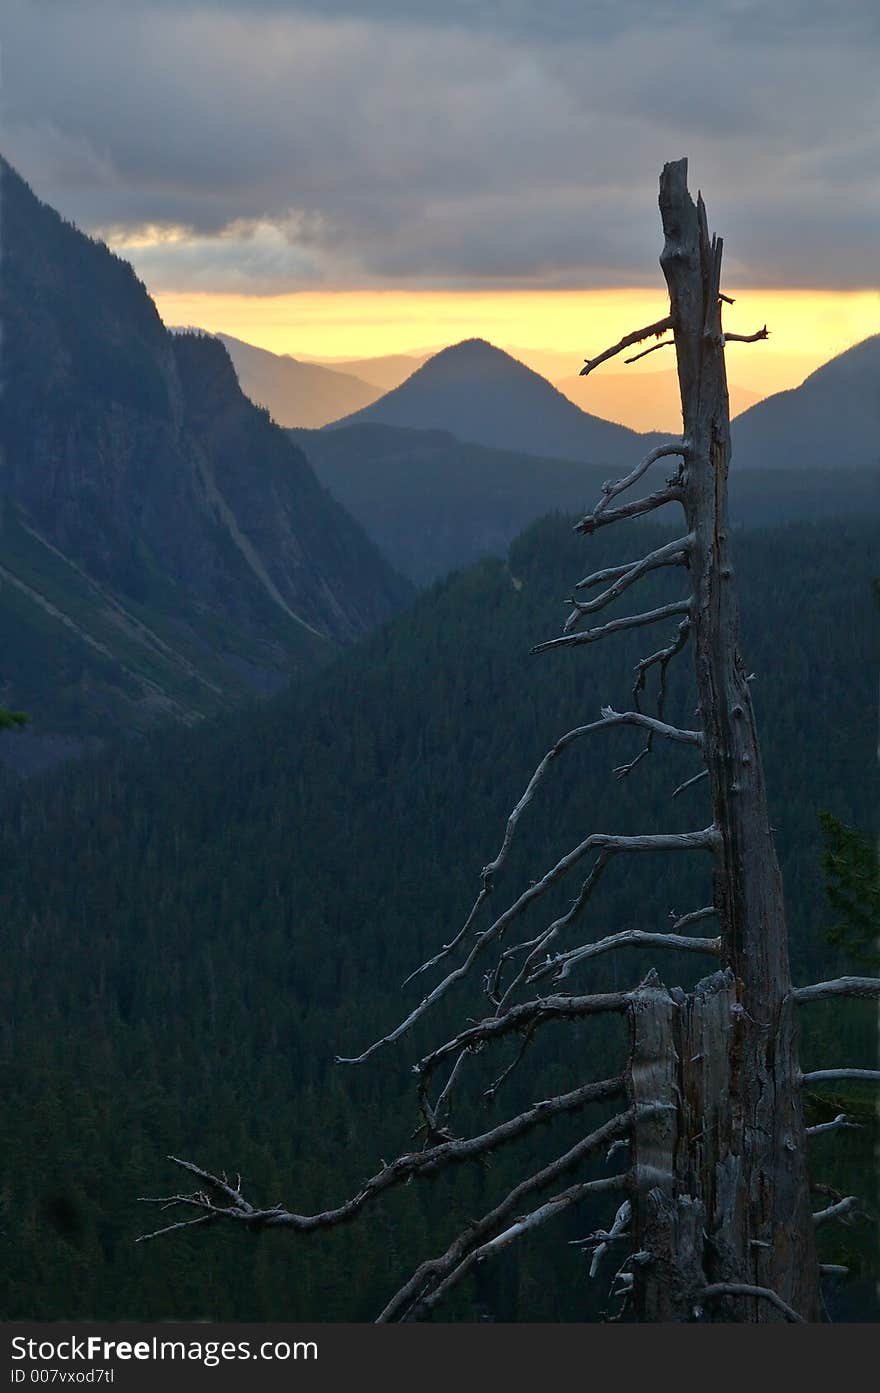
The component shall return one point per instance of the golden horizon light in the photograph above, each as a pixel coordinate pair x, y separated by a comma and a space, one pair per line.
807, 327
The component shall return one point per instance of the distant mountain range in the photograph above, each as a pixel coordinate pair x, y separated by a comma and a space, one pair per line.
421, 468
385, 372
165, 549
483, 395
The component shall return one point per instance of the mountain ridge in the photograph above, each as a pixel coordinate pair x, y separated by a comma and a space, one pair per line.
483, 395
296, 392
832, 418
167, 549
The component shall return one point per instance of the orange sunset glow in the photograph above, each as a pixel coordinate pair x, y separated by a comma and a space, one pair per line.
552, 330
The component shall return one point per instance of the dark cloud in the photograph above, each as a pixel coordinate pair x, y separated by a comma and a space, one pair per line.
396, 141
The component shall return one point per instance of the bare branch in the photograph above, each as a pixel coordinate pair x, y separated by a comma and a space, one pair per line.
762, 1293
606, 574
833, 1269
689, 783
830, 1075
443, 1102
763, 333
618, 1230
547, 1211
627, 938
667, 343
614, 626
637, 508
672, 554
173, 1228
638, 336
615, 487
663, 657
411, 1164
609, 720
836, 1211
529, 1221
707, 839
528, 1035
528, 1013
693, 917
539, 944
840, 1122
427, 1279
453, 943
839, 986
651, 723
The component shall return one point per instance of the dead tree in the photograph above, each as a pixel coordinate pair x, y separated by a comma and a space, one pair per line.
713, 1199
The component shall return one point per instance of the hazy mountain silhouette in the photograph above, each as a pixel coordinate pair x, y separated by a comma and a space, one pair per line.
297, 393
483, 395
831, 420
384, 373
164, 547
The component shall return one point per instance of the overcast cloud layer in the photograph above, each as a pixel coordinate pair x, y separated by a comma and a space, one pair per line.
268, 146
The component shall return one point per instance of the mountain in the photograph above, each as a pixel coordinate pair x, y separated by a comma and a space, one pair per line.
296, 393
383, 373
165, 549
432, 502
484, 396
644, 400
193, 927
831, 420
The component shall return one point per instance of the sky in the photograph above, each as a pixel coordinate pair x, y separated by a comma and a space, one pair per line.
340, 178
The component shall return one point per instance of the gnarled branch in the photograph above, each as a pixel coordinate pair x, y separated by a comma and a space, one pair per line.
689, 783
627, 938
762, 1293
838, 986
836, 1211
763, 333
615, 626
672, 493
839, 1123
637, 336
672, 554
396, 1173
667, 343
427, 1280
832, 1075
707, 839
617, 486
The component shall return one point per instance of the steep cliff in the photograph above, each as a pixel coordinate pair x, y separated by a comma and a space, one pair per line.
165, 549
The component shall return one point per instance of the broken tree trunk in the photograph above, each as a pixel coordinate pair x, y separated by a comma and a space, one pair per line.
738, 1185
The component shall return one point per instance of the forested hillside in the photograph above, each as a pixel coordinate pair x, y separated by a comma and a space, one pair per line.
199, 925
432, 502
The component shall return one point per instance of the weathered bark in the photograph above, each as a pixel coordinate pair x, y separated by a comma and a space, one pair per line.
739, 1157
